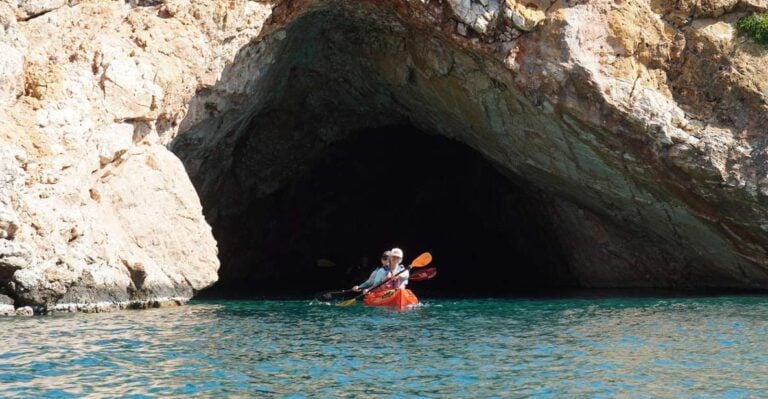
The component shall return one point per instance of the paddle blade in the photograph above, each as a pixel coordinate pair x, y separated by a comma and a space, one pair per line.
423, 274
325, 296
325, 263
422, 260
348, 302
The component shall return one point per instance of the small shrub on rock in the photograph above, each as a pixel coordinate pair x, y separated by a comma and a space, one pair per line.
754, 26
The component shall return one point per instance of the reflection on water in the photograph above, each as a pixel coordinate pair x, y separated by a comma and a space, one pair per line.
650, 347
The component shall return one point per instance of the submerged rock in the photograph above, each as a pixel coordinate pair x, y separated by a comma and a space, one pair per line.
6, 306
643, 124
25, 311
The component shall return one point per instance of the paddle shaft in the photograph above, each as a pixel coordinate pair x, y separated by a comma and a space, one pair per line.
338, 292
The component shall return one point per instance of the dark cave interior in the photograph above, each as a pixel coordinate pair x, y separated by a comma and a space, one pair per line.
397, 186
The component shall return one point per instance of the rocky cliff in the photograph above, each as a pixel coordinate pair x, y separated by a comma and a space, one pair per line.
642, 124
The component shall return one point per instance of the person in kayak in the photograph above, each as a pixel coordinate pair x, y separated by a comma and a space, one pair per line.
395, 267
377, 276
393, 293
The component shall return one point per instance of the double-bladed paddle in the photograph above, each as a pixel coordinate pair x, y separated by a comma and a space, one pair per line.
423, 274
420, 261
325, 263
328, 294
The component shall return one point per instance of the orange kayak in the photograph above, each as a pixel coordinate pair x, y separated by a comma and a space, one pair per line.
399, 299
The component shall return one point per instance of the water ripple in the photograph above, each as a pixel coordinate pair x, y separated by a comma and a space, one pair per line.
651, 347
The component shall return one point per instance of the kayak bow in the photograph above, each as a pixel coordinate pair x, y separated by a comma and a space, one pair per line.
400, 299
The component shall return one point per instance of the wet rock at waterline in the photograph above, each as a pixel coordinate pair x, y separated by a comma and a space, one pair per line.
639, 127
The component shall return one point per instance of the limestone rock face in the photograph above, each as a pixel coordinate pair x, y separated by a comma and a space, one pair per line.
93, 207
525, 15
645, 122
32, 8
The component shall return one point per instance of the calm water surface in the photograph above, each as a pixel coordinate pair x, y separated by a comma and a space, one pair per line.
650, 347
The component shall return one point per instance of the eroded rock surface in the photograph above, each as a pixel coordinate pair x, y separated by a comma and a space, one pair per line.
643, 122
93, 207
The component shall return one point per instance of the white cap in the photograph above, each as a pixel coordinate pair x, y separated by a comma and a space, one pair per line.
396, 252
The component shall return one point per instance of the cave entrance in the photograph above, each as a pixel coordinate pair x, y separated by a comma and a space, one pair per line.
343, 135
386, 187
345, 130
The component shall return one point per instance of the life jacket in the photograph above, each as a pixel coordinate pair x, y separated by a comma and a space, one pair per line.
395, 282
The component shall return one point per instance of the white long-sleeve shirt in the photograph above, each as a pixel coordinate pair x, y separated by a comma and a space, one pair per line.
401, 280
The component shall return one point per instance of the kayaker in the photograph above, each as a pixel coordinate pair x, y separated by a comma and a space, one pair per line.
395, 267
377, 276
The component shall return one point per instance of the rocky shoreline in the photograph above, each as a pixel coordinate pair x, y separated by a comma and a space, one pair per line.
8, 309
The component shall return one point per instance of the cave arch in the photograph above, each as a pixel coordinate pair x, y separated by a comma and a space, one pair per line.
328, 79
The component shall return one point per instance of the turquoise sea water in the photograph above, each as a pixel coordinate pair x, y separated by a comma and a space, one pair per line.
647, 347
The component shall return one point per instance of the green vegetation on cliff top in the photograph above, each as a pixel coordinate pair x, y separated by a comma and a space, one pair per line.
754, 26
